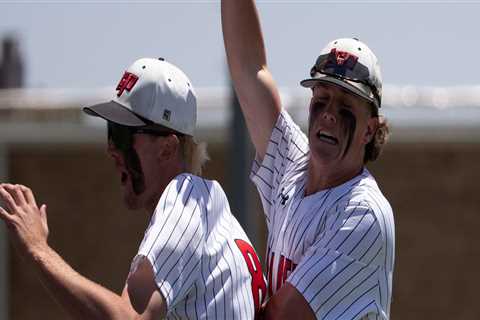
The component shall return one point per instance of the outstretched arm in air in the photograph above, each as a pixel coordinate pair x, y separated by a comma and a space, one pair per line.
254, 85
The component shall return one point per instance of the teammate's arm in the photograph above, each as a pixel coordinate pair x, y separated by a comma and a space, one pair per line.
142, 293
254, 85
82, 298
279, 307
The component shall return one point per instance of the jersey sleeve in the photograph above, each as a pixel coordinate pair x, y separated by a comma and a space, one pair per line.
173, 243
339, 274
287, 151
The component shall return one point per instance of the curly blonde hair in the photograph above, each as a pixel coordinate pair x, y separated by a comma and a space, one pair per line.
375, 147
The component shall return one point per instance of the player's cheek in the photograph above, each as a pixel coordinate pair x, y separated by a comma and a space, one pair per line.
349, 126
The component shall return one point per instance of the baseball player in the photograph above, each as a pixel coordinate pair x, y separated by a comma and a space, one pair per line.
195, 261
330, 242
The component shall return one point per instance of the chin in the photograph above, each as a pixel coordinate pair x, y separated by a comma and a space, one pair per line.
324, 154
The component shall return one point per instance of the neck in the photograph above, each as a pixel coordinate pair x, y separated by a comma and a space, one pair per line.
321, 177
164, 178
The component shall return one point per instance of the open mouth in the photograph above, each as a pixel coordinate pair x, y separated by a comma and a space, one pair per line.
322, 136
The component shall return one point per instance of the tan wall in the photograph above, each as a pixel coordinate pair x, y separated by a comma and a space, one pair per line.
432, 188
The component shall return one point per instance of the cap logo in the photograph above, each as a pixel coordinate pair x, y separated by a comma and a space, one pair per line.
343, 57
340, 61
166, 115
127, 82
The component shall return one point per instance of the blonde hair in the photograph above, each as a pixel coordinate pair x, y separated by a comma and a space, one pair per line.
375, 147
194, 154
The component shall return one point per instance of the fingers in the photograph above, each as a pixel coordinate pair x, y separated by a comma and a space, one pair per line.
21, 194
28, 194
16, 192
43, 217
43, 212
7, 217
7, 198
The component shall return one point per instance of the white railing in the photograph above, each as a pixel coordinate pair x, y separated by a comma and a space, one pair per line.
412, 111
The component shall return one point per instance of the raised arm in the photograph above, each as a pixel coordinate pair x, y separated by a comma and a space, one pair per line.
254, 85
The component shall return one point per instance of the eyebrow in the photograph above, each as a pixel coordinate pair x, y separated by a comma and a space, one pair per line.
345, 100
347, 105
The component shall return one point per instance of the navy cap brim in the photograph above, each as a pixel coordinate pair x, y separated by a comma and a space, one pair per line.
115, 112
345, 84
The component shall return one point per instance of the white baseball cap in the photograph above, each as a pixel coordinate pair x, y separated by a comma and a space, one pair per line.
151, 91
350, 64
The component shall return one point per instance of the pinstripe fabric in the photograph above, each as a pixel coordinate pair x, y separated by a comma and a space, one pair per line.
198, 268
335, 246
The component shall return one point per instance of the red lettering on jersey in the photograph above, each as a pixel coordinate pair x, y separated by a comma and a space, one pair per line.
280, 270
259, 287
284, 269
127, 82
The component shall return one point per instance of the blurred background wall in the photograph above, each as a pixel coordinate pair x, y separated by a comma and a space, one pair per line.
429, 172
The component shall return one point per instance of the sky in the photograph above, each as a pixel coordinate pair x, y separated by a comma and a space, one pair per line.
88, 44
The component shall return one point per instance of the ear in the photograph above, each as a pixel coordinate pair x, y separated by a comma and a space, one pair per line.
168, 147
372, 125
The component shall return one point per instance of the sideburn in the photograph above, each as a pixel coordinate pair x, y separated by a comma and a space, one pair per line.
135, 170
309, 124
350, 126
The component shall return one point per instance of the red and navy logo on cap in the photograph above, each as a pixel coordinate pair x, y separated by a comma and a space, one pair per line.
127, 82
340, 61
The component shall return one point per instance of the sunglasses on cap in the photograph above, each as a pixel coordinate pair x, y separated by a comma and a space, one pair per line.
344, 66
122, 136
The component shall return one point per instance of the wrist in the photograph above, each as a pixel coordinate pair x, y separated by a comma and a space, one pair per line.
37, 251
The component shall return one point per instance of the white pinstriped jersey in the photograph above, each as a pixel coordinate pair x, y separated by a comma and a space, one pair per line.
336, 247
204, 264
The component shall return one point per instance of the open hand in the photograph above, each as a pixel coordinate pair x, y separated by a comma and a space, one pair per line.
27, 223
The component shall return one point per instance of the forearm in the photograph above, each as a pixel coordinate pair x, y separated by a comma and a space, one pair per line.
288, 303
82, 298
243, 37
254, 85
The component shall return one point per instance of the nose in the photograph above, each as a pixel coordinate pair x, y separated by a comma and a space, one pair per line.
329, 113
329, 117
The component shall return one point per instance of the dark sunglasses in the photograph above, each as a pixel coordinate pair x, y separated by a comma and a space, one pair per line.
344, 66
122, 136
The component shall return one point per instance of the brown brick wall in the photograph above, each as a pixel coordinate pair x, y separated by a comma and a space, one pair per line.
432, 188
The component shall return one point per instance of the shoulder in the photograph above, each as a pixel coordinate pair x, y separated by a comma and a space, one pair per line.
348, 211
201, 188
286, 124
365, 199
367, 207
367, 192
186, 181
361, 201
203, 185
180, 182
183, 189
